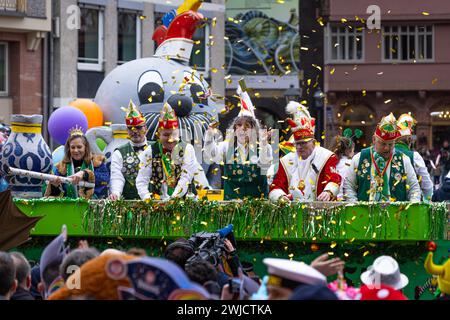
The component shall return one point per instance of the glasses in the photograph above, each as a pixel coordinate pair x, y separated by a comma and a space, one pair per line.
302, 143
138, 128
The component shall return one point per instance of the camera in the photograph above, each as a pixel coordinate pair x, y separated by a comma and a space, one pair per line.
209, 246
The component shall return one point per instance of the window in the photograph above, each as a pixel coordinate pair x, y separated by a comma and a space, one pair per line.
408, 43
344, 44
129, 36
90, 40
4, 77
200, 50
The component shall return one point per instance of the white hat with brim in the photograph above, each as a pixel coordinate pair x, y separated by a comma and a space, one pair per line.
295, 271
385, 270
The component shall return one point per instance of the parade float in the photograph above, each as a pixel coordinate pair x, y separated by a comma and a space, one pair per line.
356, 232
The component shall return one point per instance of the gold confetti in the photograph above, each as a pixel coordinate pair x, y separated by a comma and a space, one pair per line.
387, 101
333, 244
434, 81
346, 254
425, 13
214, 70
365, 253
343, 20
332, 71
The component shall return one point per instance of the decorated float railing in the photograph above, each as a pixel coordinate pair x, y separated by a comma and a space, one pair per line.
252, 219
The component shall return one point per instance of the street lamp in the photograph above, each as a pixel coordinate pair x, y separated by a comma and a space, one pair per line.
292, 94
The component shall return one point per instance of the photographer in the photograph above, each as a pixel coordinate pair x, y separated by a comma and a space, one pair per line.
219, 249
179, 252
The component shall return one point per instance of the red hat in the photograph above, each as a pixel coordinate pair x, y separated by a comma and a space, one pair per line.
168, 118
381, 292
174, 37
134, 117
388, 129
303, 125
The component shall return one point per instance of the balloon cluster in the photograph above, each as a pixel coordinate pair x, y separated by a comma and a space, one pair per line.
82, 113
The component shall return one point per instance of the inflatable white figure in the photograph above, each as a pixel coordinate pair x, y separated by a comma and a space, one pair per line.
165, 77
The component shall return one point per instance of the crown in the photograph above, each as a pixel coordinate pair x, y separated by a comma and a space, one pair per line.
133, 116
168, 118
76, 131
302, 125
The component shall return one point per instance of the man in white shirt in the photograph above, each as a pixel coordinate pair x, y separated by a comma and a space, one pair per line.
167, 167
125, 159
380, 172
406, 125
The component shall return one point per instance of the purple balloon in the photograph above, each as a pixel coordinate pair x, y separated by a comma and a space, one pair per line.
62, 120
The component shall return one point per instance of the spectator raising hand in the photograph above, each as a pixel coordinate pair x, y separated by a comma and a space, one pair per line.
328, 267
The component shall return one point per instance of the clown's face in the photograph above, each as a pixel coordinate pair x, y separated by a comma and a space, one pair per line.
169, 138
152, 82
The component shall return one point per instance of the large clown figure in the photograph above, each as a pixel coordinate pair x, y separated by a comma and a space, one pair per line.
163, 78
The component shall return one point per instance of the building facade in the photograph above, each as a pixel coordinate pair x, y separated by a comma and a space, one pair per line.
24, 28
402, 66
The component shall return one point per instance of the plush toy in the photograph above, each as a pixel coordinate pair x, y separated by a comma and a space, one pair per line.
94, 281
441, 271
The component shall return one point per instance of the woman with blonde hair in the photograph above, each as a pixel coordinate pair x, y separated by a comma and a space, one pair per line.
79, 164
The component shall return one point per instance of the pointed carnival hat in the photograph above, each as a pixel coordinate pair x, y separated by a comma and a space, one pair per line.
406, 124
133, 115
387, 129
167, 118
247, 107
302, 125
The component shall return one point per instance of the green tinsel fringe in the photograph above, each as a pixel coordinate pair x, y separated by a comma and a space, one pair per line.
257, 219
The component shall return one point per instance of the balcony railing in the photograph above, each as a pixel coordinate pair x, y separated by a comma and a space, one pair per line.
13, 7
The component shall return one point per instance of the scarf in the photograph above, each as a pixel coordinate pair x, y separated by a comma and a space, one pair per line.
72, 190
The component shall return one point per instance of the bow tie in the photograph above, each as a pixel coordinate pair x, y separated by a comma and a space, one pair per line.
137, 149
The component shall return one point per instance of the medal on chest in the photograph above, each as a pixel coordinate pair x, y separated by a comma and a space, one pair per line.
301, 186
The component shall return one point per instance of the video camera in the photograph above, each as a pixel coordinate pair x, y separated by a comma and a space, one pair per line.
210, 246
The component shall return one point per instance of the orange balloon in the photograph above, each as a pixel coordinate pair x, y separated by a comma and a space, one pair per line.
91, 110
